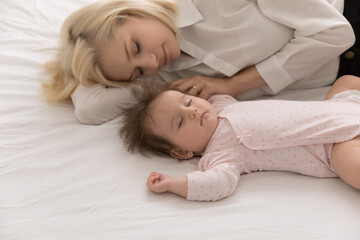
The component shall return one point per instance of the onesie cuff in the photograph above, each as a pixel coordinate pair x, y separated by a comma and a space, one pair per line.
191, 193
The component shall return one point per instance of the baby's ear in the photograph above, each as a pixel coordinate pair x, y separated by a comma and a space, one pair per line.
181, 154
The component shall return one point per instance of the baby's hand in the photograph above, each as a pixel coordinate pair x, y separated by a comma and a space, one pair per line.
158, 182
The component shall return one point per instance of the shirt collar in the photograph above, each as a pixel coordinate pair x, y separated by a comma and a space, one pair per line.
188, 13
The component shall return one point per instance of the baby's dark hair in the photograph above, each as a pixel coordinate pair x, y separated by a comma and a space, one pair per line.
132, 130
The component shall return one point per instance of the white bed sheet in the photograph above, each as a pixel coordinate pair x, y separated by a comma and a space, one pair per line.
63, 180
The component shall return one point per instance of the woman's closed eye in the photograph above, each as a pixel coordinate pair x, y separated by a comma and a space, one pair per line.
137, 52
138, 48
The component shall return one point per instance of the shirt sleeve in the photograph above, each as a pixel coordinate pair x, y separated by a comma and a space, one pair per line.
98, 104
215, 183
321, 33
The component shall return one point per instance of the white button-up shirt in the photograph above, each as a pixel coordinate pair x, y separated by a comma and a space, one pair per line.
294, 44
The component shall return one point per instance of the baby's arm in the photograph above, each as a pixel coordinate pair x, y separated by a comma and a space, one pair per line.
159, 183
213, 184
347, 82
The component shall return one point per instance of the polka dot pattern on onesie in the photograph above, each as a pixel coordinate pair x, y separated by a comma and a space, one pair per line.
271, 135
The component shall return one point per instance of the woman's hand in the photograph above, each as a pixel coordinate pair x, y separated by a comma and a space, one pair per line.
204, 87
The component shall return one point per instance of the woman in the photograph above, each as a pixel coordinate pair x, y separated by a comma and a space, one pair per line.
240, 48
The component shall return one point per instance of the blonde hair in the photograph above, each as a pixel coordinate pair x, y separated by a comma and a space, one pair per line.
76, 60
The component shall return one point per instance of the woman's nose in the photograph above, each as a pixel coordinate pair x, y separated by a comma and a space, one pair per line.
150, 62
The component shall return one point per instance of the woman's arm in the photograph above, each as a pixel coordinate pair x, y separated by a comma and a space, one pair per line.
320, 35
98, 104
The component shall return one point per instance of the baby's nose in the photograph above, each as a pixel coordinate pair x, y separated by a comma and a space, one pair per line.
193, 112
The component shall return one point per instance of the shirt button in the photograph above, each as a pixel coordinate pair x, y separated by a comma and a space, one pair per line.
349, 55
218, 65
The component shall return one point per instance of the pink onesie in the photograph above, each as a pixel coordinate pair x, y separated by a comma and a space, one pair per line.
295, 136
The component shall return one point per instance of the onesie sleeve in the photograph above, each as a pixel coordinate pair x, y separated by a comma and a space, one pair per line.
321, 33
98, 104
216, 182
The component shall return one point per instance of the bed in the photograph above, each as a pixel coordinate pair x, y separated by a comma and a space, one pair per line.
63, 180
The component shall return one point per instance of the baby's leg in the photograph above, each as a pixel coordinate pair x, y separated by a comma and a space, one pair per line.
344, 83
345, 159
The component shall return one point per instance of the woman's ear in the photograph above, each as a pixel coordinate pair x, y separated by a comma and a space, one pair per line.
181, 154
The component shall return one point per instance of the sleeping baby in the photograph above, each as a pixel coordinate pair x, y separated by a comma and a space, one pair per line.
315, 138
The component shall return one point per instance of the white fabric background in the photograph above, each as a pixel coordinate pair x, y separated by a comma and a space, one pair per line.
63, 180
